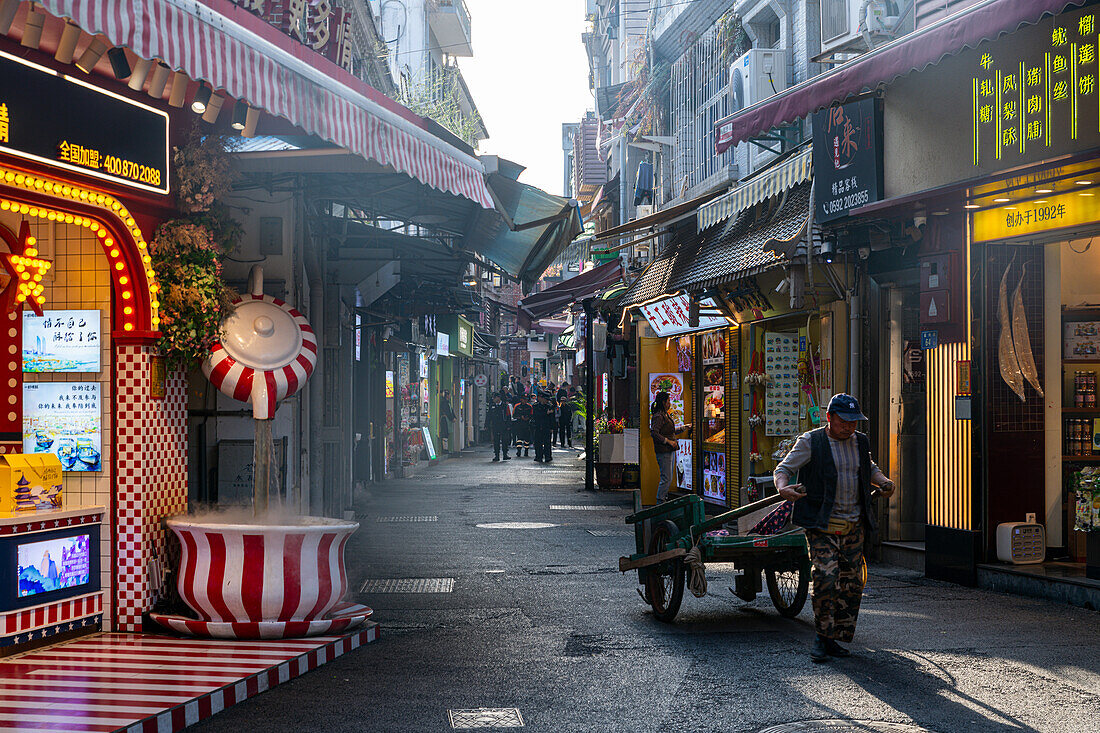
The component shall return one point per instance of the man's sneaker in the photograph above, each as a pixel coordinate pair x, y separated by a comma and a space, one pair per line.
495, 460
507, 458
836, 650
819, 652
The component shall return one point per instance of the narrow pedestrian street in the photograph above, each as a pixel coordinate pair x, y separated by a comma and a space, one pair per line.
539, 619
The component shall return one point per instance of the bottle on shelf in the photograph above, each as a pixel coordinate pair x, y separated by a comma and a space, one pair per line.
1090, 390
1078, 391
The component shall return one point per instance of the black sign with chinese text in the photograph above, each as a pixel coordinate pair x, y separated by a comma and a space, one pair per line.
63, 121
847, 158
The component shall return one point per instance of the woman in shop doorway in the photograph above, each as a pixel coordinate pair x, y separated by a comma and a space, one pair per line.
446, 417
663, 430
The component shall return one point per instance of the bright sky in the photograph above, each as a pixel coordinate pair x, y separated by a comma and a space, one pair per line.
528, 75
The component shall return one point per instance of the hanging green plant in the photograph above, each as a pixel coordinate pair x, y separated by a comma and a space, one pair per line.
187, 253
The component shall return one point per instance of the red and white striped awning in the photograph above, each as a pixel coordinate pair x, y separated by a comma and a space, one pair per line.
235, 51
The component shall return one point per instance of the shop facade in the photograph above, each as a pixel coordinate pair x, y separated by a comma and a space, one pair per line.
85, 384
993, 272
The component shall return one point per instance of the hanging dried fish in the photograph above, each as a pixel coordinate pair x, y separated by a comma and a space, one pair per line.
1009, 365
1021, 339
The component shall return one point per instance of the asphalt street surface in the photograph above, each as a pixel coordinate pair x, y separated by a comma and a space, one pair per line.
540, 619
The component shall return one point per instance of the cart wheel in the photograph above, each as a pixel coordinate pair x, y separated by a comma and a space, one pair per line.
789, 587
664, 582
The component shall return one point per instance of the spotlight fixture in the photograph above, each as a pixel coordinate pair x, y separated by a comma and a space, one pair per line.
213, 107
8, 9
971, 206
91, 56
1083, 183
202, 98
32, 28
66, 47
1044, 190
240, 115
1001, 200
120, 67
141, 70
179, 89
159, 80
250, 121
1042, 201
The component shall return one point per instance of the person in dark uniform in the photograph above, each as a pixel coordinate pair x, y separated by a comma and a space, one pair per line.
565, 418
499, 425
832, 501
521, 425
543, 419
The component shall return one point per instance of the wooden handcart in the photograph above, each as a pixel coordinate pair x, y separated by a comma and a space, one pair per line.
665, 533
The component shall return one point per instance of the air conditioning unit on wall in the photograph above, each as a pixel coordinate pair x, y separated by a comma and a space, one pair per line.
759, 74
856, 26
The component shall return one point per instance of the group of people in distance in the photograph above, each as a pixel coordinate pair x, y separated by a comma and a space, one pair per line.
525, 416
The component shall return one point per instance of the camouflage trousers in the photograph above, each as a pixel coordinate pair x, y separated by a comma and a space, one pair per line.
838, 582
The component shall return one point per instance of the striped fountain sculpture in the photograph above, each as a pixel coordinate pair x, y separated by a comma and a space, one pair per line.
274, 575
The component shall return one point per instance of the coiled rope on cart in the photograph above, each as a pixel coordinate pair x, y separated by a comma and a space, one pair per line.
696, 570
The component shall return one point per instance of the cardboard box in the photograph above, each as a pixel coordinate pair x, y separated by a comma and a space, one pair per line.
30, 482
1081, 339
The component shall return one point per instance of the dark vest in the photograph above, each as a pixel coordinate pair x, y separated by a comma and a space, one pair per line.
819, 479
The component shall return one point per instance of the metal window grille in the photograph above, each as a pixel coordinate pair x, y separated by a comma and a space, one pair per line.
698, 99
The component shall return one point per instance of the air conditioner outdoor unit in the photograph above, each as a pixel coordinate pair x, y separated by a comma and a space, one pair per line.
759, 74
856, 26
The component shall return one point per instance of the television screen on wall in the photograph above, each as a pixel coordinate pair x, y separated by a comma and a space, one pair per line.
54, 564
64, 418
61, 341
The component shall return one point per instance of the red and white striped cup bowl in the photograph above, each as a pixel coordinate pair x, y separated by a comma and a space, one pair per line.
243, 572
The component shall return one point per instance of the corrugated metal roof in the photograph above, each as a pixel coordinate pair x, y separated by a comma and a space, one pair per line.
262, 144
726, 253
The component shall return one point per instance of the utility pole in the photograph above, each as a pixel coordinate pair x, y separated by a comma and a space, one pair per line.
589, 397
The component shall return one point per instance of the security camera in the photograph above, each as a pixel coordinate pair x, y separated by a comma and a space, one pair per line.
864, 252
919, 220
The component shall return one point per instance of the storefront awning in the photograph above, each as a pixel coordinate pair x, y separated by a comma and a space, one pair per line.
559, 297
771, 182
537, 225
916, 51
237, 53
744, 246
657, 218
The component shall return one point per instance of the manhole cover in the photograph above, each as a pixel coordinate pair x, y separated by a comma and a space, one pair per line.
612, 533
410, 518
516, 525
407, 585
845, 726
585, 507
486, 718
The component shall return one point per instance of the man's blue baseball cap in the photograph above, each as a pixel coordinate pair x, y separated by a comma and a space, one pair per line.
845, 407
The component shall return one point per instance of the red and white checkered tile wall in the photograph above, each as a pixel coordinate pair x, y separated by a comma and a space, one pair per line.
152, 477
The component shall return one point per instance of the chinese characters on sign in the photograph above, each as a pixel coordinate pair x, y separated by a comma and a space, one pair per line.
99, 133
61, 341
63, 418
1037, 98
314, 23
670, 316
847, 157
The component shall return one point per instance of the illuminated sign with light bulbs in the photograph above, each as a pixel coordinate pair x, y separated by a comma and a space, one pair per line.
63, 121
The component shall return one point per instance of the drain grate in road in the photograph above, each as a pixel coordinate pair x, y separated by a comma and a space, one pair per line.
585, 507
516, 525
410, 518
845, 726
407, 585
486, 718
611, 532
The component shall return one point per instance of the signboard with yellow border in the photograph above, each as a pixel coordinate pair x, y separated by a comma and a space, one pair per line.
1059, 211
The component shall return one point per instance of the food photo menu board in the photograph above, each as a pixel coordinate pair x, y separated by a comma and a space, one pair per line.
61, 341
672, 383
714, 475
781, 367
64, 418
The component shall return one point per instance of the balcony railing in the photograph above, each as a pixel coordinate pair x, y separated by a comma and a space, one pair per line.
450, 21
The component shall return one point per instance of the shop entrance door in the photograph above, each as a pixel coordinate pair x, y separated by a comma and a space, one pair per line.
906, 423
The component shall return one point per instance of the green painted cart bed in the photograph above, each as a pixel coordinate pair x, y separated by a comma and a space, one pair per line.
665, 533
